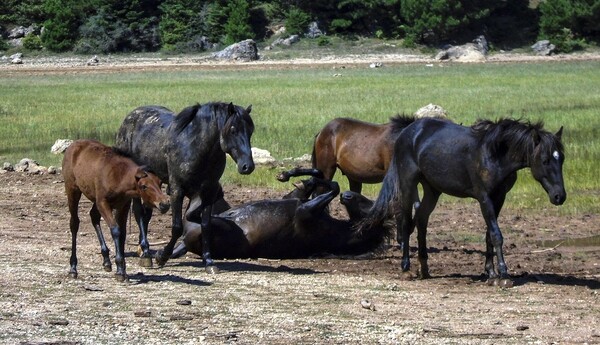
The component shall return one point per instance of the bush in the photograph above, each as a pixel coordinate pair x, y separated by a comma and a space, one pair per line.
237, 27
32, 42
296, 21
566, 22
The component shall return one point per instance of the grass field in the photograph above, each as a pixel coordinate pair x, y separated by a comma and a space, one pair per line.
291, 105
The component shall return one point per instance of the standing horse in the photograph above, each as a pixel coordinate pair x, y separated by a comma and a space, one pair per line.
187, 151
479, 162
361, 150
110, 181
292, 227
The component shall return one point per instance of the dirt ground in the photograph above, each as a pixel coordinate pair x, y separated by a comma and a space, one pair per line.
350, 300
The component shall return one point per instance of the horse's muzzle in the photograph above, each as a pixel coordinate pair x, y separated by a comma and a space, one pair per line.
245, 168
163, 207
558, 198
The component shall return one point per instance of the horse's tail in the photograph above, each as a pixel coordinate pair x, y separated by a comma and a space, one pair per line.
313, 155
386, 202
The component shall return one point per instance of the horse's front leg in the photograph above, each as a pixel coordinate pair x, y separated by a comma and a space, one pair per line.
118, 235
494, 240
162, 256
206, 240
142, 217
73, 201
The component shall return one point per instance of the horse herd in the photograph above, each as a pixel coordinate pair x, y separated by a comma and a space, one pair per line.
188, 151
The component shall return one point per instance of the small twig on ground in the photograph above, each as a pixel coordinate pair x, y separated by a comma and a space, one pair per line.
547, 249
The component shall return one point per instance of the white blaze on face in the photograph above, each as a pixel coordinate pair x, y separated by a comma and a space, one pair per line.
556, 155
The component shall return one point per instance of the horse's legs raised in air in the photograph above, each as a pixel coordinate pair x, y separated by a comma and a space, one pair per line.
142, 217
73, 197
95, 217
162, 256
206, 239
355, 186
430, 198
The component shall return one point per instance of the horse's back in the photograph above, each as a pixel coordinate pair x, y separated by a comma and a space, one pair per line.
142, 136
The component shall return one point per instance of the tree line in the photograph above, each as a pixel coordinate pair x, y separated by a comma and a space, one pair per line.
107, 26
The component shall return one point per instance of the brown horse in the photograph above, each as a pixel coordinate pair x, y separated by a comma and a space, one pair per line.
361, 150
110, 181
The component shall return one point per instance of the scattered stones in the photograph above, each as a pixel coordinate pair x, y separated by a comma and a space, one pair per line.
16, 59
286, 41
475, 51
8, 167
522, 328
313, 31
366, 304
184, 302
142, 313
376, 65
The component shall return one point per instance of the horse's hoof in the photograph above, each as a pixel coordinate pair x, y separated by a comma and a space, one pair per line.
160, 260
505, 283
73, 275
146, 262
493, 282
407, 276
140, 251
425, 275
122, 278
107, 268
212, 269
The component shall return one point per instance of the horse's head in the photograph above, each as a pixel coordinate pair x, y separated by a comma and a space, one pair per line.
235, 137
149, 188
357, 205
546, 166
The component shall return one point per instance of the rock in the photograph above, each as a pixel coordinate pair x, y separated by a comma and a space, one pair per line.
262, 157
313, 31
17, 32
16, 58
241, 51
469, 52
375, 65
93, 61
25, 164
52, 170
286, 41
60, 145
8, 167
543, 47
431, 110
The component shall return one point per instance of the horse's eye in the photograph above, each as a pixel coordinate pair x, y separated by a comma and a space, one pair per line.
144, 187
233, 130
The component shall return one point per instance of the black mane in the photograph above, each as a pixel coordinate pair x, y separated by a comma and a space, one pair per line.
185, 117
519, 138
401, 121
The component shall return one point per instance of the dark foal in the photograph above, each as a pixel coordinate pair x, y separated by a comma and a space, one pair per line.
479, 162
110, 181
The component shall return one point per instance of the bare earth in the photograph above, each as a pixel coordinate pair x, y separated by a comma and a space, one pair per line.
353, 300
319, 300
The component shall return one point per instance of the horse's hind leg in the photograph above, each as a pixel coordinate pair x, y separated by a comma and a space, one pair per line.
430, 198
355, 186
73, 197
95, 217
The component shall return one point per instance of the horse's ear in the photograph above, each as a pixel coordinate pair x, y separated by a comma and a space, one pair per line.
140, 174
230, 109
559, 133
249, 109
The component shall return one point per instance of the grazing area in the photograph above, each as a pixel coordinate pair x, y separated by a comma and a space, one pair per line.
338, 300
552, 252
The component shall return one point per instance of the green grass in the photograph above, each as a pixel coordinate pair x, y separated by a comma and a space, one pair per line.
291, 105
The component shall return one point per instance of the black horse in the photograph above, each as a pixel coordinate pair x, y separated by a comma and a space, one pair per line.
292, 227
479, 162
187, 152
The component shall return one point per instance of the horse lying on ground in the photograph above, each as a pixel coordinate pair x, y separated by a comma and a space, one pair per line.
187, 151
361, 150
292, 227
110, 181
480, 162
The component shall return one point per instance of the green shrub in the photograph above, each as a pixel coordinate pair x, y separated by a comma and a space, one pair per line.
237, 27
296, 21
32, 42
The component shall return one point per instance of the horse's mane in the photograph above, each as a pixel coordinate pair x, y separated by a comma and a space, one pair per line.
185, 117
401, 121
519, 138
